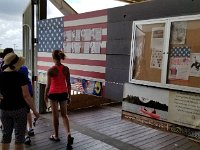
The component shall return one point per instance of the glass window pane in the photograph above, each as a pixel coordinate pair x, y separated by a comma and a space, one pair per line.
148, 52
184, 54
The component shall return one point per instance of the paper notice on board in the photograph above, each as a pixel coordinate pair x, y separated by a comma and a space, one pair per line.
157, 39
86, 34
86, 47
68, 35
95, 47
96, 34
195, 64
179, 63
184, 109
156, 59
76, 47
67, 47
157, 47
178, 33
78, 35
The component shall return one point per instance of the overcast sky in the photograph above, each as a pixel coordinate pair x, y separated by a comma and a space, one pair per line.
11, 16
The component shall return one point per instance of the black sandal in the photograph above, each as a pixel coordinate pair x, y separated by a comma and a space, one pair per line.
70, 140
53, 138
69, 147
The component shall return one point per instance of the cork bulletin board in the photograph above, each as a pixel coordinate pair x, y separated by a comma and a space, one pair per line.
190, 39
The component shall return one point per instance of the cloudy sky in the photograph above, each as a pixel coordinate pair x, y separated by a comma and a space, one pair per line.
11, 16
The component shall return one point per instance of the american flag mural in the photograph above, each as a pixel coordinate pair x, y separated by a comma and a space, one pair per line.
83, 38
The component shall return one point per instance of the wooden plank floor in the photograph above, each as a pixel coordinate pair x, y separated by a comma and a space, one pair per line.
103, 129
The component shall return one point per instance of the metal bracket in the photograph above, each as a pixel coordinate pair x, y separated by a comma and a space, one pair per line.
35, 40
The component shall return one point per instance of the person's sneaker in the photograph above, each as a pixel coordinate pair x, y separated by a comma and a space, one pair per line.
69, 147
70, 140
31, 132
27, 140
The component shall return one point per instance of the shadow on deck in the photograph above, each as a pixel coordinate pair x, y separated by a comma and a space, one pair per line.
102, 129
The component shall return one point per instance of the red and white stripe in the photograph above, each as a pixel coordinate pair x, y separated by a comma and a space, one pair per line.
85, 66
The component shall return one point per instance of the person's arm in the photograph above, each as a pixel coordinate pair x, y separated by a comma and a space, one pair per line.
1, 97
47, 88
29, 100
68, 82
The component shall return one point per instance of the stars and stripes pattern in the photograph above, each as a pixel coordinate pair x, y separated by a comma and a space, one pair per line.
77, 84
180, 52
87, 66
50, 34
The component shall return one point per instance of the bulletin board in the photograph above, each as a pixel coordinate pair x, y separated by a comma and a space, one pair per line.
189, 37
182, 68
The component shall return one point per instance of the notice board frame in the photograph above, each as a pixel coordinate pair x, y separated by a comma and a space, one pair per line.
165, 62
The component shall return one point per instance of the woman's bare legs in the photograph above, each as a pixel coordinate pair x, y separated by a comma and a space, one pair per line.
55, 115
63, 111
29, 120
5, 146
19, 146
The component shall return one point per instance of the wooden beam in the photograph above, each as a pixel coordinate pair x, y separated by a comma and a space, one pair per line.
132, 1
63, 7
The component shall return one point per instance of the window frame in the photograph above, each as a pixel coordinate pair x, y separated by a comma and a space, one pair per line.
164, 68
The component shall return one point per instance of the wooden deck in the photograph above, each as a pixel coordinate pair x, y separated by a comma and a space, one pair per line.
102, 129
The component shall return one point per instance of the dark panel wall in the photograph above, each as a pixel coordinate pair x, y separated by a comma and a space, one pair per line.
119, 33
120, 44
154, 9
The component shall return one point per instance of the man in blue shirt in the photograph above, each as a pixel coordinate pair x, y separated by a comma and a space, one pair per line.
24, 70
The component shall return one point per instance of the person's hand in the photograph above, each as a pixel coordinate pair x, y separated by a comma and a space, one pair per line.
69, 100
46, 100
